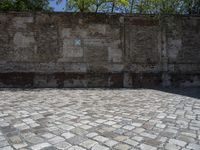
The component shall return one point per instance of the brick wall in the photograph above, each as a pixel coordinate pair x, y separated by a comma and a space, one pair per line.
98, 50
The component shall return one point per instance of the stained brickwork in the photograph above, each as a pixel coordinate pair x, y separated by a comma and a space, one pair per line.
98, 50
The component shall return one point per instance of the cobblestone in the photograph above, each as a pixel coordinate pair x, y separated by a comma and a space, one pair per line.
88, 144
98, 119
63, 145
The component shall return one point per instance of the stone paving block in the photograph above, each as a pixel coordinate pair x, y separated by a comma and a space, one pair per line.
76, 148
193, 146
76, 140
48, 135
85, 127
34, 140
99, 147
108, 129
121, 138
93, 124
139, 130
101, 139
159, 125
122, 147
15, 139
153, 142
91, 135
185, 149
109, 134
170, 133
66, 127
131, 142
147, 147
68, 135
177, 142
34, 125
27, 134
88, 144
117, 126
7, 148
62, 145
100, 121
169, 146
28, 120
120, 131
137, 138
85, 121
136, 124
56, 140
110, 123
110, 143
21, 126
40, 146
161, 116
2, 138
4, 124
19, 146
172, 116
148, 135
193, 135
3, 143
128, 127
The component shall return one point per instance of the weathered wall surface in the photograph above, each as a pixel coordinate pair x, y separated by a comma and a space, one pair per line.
98, 50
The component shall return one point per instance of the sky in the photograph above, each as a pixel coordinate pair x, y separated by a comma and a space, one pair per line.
57, 7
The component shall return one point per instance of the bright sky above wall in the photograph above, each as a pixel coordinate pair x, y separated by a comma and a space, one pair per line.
57, 7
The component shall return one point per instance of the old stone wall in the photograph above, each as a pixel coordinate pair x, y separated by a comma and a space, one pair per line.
98, 50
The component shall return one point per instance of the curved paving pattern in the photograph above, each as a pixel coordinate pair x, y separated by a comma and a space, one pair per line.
99, 119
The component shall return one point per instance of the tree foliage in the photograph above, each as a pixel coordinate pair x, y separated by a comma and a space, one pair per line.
24, 5
167, 6
94, 5
117, 6
136, 6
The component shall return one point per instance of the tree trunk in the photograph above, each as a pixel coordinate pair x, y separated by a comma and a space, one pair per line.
131, 10
113, 6
82, 9
97, 8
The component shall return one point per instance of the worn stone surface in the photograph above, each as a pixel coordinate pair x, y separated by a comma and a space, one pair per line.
98, 50
100, 119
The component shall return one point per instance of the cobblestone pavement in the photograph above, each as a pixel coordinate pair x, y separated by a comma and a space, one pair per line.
98, 119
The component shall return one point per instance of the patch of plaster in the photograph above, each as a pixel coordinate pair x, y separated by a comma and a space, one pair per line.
22, 41
21, 22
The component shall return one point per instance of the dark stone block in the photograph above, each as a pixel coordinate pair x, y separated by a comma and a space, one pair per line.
16, 79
